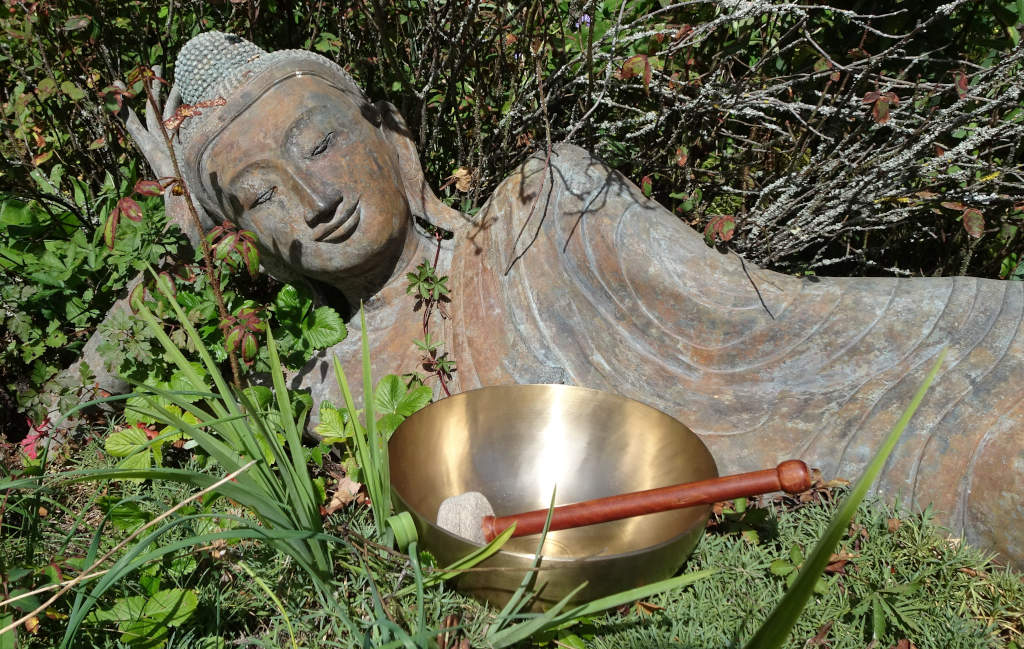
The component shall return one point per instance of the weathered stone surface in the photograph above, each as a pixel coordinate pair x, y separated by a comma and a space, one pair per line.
570, 275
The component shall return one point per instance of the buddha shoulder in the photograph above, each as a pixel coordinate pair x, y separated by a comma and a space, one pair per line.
570, 179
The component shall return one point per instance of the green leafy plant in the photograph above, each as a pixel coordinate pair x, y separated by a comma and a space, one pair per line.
393, 402
145, 622
60, 278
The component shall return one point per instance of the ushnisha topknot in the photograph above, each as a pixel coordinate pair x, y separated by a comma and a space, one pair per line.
214, 64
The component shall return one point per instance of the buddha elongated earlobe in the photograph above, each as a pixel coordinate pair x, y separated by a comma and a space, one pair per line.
422, 200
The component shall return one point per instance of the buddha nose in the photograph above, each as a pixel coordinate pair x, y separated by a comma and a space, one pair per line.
322, 206
320, 200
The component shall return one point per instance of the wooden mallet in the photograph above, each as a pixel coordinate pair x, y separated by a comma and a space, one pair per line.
470, 514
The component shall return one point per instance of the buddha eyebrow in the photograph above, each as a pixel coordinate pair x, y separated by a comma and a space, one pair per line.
303, 122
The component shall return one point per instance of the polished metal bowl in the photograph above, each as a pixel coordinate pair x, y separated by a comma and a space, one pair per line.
517, 443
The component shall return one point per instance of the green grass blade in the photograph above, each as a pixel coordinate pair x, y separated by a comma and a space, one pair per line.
304, 496
378, 456
518, 599
523, 630
273, 598
780, 622
193, 335
633, 594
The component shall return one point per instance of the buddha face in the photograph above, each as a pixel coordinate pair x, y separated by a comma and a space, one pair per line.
306, 168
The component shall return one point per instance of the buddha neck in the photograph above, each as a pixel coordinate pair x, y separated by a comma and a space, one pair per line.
391, 287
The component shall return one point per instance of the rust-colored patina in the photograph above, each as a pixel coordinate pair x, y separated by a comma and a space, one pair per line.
570, 275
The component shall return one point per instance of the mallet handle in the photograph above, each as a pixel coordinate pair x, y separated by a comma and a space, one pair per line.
791, 476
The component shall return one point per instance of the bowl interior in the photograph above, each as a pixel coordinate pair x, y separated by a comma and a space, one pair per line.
517, 443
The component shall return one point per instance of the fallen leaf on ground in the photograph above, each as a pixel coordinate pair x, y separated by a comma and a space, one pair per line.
819, 637
646, 608
346, 492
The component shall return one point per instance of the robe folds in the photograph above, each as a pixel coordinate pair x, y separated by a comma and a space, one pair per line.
571, 275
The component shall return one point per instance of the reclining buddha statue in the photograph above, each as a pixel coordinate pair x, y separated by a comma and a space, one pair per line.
568, 274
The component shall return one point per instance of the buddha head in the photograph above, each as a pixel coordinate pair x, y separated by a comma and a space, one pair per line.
326, 180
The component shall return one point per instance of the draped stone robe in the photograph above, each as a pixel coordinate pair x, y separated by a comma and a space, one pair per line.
573, 276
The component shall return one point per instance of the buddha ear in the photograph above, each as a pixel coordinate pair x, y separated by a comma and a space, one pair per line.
422, 200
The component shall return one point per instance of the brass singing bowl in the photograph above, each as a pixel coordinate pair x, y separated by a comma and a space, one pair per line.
515, 444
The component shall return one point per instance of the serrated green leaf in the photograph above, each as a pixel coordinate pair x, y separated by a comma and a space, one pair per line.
324, 329
72, 91
414, 400
138, 461
123, 610
126, 442
261, 395
795, 555
332, 425
144, 634
388, 424
290, 302
389, 394
128, 515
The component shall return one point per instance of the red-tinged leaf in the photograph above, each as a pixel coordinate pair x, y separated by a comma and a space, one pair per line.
880, 112
939, 150
953, 205
110, 228
98, 143
646, 186
148, 188
113, 98
252, 260
926, 194
871, 97
249, 347
42, 157
166, 283
74, 23
136, 297
216, 232
974, 222
960, 83
634, 66
233, 337
681, 156
225, 246
130, 209
725, 227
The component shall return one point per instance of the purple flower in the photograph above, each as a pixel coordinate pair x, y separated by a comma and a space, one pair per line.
583, 20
